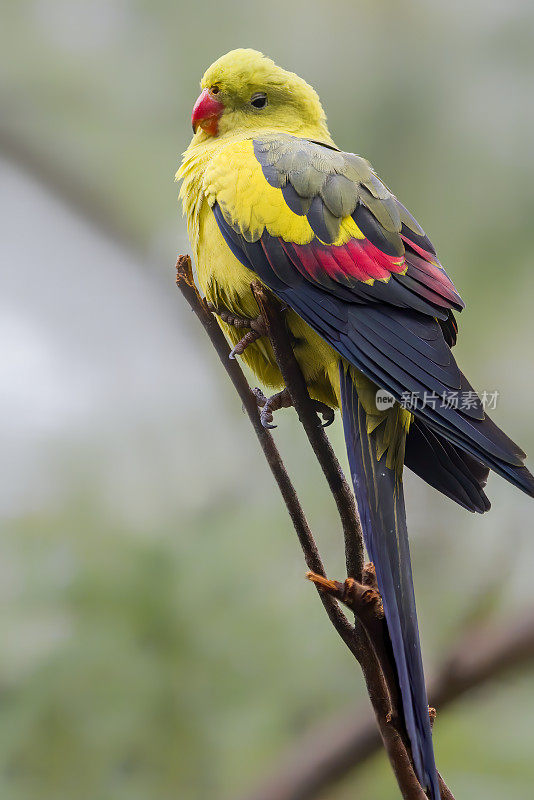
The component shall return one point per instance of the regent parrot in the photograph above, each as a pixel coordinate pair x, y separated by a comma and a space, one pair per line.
268, 195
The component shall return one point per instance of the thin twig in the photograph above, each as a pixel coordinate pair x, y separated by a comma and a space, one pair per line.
296, 385
444, 790
373, 649
186, 284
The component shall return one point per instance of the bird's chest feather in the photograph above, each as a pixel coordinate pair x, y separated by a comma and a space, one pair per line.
226, 283
224, 280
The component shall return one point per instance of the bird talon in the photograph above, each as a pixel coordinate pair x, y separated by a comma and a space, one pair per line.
260, 397
269, 405
256, 327
283, 400
369, 575
328, 414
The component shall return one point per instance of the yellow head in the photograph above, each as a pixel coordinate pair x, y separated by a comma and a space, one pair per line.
244, 90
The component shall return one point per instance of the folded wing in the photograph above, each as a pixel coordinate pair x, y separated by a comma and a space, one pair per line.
326, 235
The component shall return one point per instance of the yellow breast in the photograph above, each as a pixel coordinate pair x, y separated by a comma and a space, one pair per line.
225, 282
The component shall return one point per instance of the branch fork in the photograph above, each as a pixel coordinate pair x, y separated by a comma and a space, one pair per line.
363, 600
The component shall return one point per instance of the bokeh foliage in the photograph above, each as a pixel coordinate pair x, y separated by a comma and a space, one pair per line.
158, 638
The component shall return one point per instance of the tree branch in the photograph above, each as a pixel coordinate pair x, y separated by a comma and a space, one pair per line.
355, 638
186, 284
369, 649
296, 385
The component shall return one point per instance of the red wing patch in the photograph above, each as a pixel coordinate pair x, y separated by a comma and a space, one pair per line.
357, 260
424, 267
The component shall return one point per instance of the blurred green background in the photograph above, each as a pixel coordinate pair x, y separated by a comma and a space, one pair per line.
158, 638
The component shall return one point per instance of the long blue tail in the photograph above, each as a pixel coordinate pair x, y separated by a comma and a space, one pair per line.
380, 499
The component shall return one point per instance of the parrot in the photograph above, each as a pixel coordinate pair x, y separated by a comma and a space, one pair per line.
370, 311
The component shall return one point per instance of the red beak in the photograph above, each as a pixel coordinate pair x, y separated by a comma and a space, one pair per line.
206, 113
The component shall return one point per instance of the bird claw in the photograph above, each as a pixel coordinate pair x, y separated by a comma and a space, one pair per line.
328, 414
269, 405
243, 343
257, 328
282, 399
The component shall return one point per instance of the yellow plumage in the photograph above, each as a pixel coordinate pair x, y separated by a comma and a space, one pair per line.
234, 179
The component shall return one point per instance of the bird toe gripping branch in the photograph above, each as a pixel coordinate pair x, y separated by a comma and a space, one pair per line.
269, 405
255, 325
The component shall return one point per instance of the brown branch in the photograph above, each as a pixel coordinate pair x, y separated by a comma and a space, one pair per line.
372, 643
335, 748
356, 639
186, 284
296, 385
444, 790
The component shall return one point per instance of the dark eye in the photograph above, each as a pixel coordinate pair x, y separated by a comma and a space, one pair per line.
214, 89
259, 100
